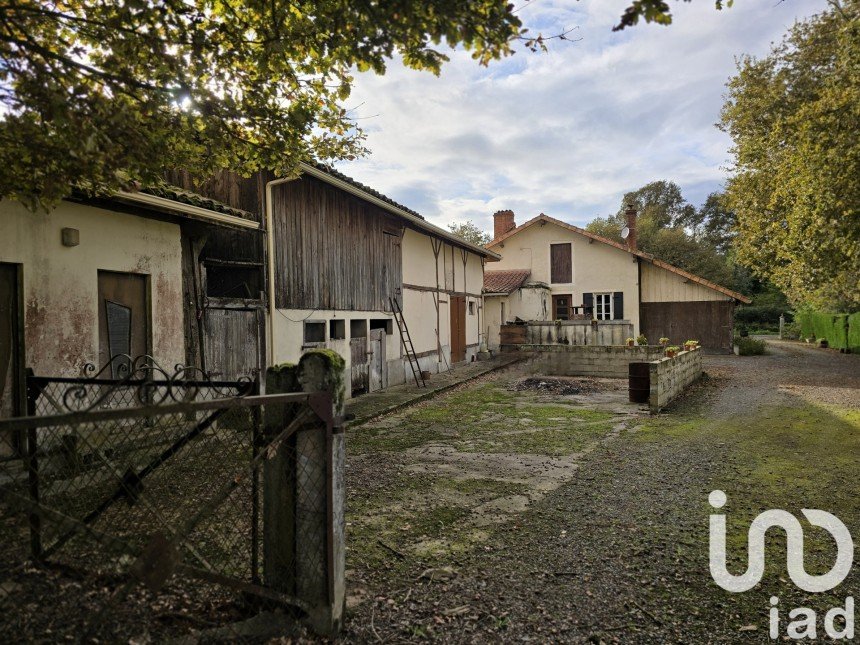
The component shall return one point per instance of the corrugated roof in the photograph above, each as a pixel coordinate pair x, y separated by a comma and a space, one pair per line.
505, 281
641, 254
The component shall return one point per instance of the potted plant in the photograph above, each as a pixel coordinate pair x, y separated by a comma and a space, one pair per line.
671, 351
631, 342
641, 340
690, 345
664, 341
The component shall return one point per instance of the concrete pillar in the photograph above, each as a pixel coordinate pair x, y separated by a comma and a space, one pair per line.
304, 552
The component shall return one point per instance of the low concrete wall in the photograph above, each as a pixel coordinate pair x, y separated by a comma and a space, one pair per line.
567, 332
669, 377
608, 361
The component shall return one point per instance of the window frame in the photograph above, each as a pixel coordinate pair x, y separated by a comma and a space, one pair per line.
600, 310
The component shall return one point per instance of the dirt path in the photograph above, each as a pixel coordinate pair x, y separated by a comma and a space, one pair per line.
618, 551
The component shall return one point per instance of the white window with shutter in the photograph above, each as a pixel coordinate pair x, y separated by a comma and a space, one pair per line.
603, 306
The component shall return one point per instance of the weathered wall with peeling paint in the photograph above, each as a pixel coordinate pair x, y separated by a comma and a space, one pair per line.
61, 283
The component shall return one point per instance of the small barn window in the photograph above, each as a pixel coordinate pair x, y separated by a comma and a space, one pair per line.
382, 323
233, 281
471, 307
314, 332
358, 329
337, 329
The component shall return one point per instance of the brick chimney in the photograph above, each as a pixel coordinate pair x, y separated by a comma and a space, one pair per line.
631, 227
503, 221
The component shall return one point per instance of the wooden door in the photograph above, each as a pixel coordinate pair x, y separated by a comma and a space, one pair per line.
123, 318
561, 307
11, 352
358, 364
458, 328
708, 321
377, 368
231, 342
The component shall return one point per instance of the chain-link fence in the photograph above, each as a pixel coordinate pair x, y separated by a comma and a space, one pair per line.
162, 507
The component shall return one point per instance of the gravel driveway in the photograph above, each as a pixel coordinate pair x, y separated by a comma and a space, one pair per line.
618, 552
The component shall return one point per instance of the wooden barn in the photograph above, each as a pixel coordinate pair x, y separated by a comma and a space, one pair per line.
342, 267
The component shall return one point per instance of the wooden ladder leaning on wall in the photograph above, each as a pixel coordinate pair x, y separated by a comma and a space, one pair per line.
406, 340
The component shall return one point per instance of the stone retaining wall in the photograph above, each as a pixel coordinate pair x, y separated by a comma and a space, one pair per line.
670, 376
607, 361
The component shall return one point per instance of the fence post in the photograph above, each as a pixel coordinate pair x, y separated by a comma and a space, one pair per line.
782, 326
303, 496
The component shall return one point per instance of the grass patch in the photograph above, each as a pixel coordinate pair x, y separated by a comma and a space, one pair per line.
483, 486
552, 442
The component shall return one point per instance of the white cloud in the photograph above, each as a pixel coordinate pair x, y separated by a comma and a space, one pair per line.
567, 132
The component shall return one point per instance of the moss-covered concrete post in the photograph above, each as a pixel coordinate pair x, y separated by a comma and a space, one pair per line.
304, 492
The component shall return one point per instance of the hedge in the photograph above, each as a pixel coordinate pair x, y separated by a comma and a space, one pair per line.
854, 333
834, 328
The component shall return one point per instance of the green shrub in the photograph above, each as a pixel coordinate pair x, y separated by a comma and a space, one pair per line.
791, 331
854, 333
833, 328
749, 346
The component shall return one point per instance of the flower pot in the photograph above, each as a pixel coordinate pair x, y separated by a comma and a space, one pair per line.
631, 343
670, 353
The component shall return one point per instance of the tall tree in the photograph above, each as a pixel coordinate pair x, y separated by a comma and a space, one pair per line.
470, 232
717, 222
794, 117
91, 91
672, 229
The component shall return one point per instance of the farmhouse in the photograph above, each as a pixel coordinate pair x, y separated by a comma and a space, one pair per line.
553, 271
96, 279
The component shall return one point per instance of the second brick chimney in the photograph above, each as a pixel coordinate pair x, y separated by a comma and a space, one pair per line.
631, 227
503, 221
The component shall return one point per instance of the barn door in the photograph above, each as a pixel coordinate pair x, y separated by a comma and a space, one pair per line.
232, 341
458, 329
123, 319
377, 368
11, 351
358, 364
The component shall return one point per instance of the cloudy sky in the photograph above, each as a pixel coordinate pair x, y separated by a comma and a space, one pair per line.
567, 132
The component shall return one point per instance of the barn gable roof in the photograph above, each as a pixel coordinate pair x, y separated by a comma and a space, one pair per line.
640, 254
339, 180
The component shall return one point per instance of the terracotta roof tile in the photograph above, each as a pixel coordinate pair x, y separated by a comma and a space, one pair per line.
506, 281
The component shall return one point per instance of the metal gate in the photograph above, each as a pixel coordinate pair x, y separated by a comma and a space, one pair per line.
156, 480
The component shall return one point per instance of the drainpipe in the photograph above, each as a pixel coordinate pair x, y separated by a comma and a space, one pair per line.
270, 268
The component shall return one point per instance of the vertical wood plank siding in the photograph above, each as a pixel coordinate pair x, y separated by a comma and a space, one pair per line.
333, 250
561, 269
709, 322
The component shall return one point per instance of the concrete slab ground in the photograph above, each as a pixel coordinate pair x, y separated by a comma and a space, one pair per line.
370, 406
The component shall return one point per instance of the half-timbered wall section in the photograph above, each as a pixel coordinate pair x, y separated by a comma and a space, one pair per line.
436, 272
333, 250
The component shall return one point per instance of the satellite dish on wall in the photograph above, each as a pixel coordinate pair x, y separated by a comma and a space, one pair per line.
624, 233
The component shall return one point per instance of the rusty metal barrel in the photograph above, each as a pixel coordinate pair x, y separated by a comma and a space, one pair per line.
639, 382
